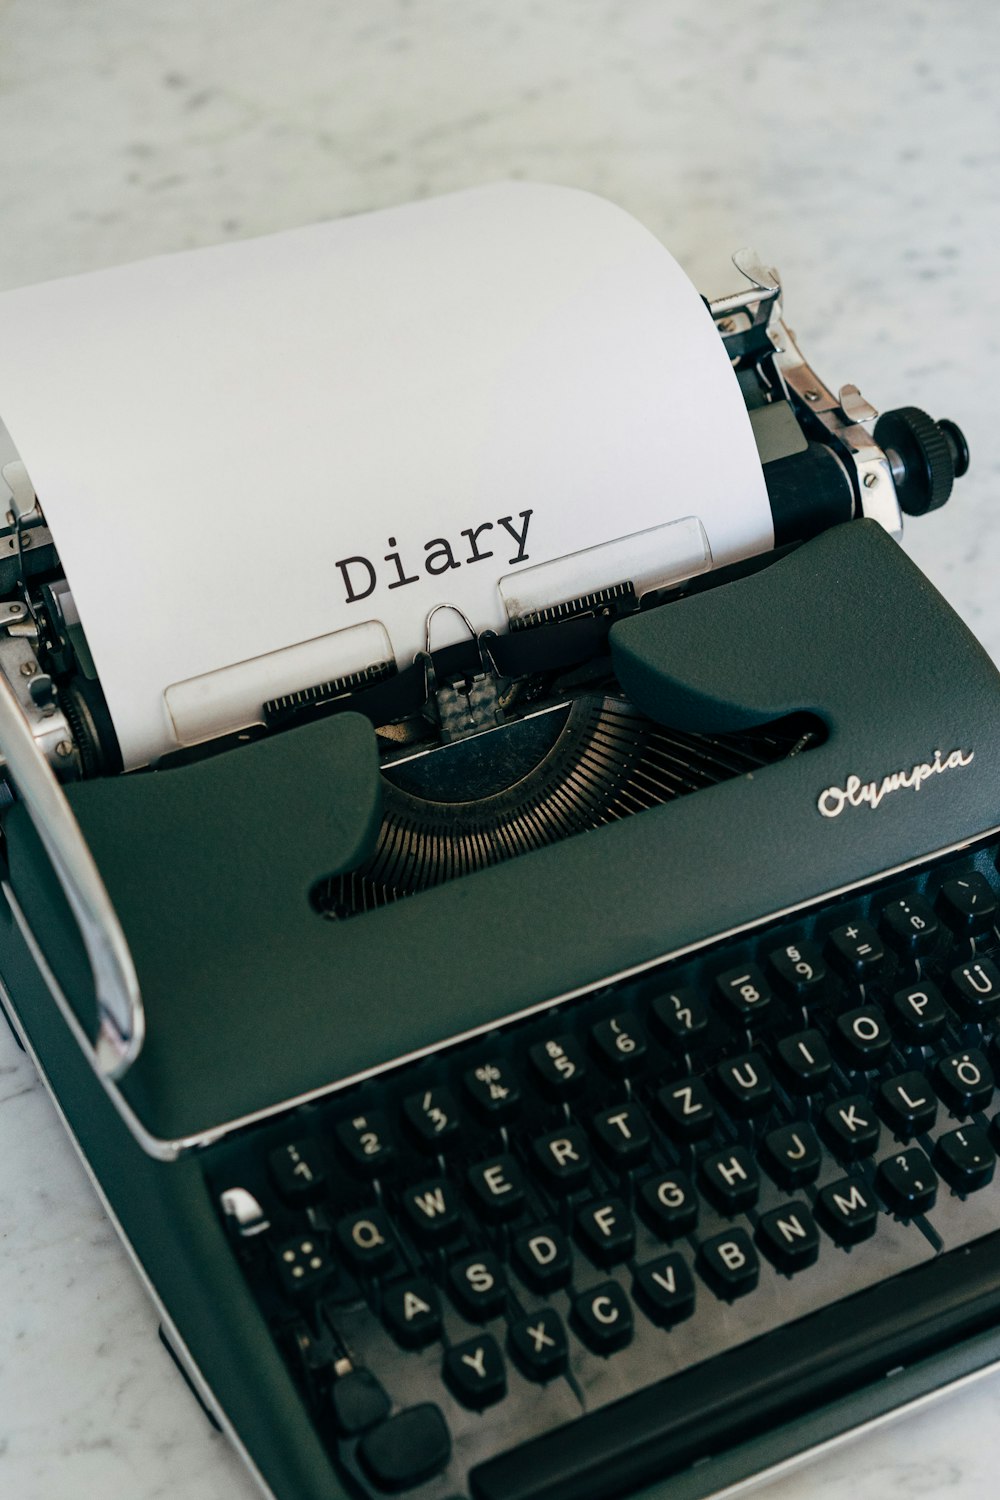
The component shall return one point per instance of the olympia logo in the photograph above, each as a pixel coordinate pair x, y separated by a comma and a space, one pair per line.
858, 793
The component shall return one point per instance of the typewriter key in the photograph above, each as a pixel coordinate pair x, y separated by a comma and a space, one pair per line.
856, 950
907, 1183
729, 1264
493, 1092
965, 1159
907, 1105
620, 1045
911, 925
602, 1317
976, 988
800, 969
298, 1173
476, 1372
433, 1118
968, 903
789, 1238
559, 1066
965, 1081
543, 1258
538, 1344
850, 1127
412, 1312
664, 1289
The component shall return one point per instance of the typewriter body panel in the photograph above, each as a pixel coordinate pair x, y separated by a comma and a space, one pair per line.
855, 721
231, 969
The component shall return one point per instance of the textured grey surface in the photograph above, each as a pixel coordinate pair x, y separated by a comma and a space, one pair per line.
857, 146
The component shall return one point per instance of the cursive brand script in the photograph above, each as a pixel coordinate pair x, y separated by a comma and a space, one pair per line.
858, 793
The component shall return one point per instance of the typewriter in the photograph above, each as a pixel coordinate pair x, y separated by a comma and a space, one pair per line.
563, 1065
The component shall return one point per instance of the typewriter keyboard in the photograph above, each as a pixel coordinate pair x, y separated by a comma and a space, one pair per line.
599, 1243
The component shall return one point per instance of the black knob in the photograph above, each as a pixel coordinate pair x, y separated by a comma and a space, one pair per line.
926, 457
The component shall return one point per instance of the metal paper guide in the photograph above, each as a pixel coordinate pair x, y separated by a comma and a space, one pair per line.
266, 465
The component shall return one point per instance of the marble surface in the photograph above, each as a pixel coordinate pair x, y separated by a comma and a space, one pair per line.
857, 146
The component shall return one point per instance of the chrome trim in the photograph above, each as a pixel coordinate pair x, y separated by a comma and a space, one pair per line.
120, 1017
170, 1150
843, 417
800, 1460
180, 1348
764, 287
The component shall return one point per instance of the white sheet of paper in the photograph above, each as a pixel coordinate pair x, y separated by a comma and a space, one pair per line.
229, 443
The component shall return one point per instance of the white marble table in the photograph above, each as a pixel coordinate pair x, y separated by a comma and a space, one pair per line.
857, 146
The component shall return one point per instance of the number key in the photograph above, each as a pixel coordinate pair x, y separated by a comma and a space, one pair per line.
799, 967
679, 1018
297, 1172
432, 1116
366, 1143
493, 1091
744, 994
559, 1065
620, 1044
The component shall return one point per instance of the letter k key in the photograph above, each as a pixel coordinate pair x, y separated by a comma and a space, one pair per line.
851, 1128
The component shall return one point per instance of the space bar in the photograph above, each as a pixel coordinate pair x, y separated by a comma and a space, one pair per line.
668, 1426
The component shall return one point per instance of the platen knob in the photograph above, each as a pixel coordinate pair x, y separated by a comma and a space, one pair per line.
926, 457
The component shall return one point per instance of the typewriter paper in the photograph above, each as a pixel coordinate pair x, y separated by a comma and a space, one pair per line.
245, 452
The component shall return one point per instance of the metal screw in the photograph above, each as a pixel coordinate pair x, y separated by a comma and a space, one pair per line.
811, 395
28, 669
15, 609
871, 480
64, 749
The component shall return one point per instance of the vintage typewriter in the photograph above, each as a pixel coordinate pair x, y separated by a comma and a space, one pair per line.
563, 1065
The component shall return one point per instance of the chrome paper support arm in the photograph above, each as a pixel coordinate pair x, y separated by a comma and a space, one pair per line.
120, 1014
842, 421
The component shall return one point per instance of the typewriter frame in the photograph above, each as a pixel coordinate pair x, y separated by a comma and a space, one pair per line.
152, 1185
676, 677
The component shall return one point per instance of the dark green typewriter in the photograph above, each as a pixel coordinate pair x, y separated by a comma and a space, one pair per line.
563, 1064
